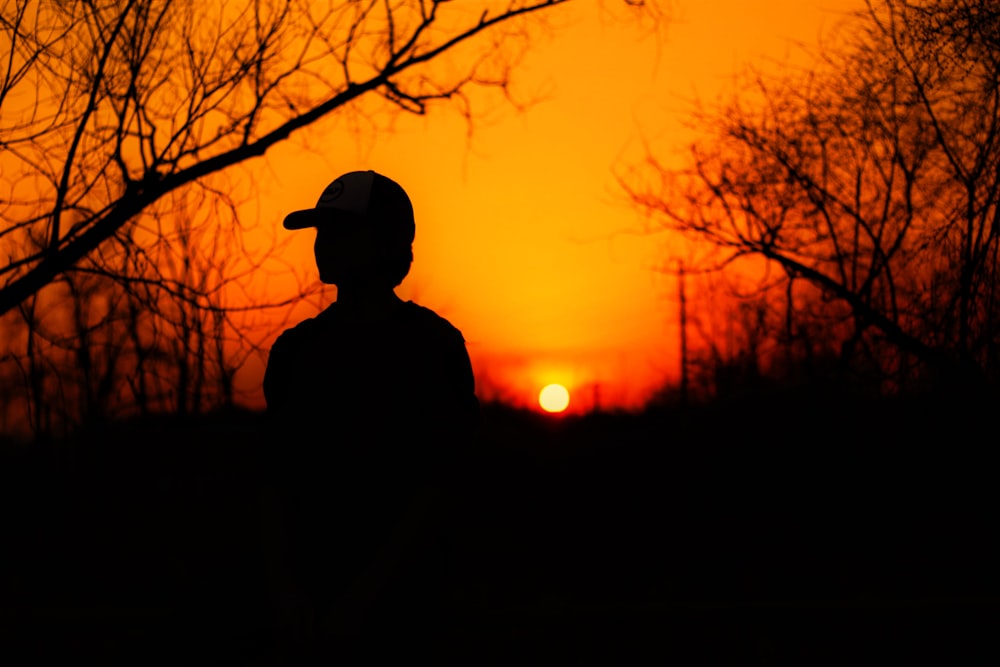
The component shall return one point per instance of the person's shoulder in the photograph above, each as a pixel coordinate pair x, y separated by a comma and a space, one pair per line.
306, 328
428, 320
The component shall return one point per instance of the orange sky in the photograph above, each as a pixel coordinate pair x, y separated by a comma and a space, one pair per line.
522, 241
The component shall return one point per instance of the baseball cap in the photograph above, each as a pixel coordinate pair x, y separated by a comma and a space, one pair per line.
370, 195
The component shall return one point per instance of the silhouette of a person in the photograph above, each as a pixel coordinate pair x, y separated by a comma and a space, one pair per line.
371, 403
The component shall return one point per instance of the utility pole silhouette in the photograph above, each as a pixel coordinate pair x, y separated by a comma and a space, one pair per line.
683, 322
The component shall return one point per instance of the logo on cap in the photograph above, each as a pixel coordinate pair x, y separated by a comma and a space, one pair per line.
333, 192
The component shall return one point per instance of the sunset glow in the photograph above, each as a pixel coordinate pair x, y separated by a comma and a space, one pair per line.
553, 398
521, 240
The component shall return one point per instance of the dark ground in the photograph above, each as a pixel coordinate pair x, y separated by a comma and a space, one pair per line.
772, 531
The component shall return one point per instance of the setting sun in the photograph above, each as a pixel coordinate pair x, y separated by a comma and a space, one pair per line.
553, 398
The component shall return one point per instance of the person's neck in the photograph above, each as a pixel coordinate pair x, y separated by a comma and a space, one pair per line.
366, 301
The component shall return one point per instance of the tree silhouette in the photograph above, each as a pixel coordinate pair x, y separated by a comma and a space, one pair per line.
148, 326
108, 107
871, 182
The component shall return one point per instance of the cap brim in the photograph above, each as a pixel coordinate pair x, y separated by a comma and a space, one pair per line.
311, 217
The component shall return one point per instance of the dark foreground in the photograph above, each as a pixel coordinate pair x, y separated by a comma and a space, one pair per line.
791, 532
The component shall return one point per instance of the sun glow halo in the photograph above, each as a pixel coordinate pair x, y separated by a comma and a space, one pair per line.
553, 398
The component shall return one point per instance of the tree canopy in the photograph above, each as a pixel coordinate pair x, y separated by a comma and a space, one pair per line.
870, 181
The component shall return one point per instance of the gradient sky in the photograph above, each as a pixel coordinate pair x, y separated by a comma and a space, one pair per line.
522, 240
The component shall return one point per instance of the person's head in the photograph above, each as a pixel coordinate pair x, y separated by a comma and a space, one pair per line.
364, 230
